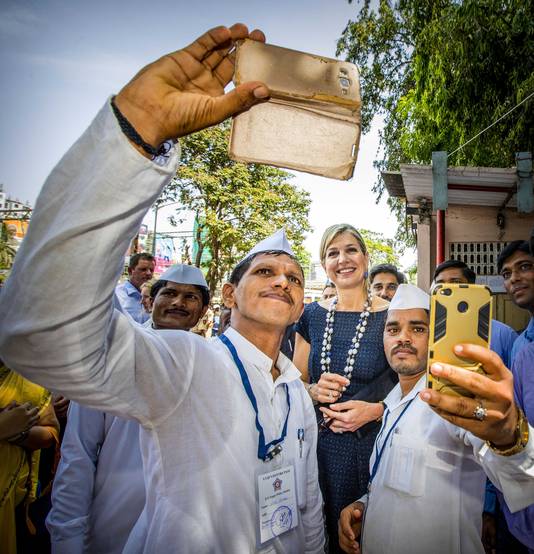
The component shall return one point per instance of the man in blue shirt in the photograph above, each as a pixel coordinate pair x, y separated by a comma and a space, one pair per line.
516, 265
140, 270
521, 523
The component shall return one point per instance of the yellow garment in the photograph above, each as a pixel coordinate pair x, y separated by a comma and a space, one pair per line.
19, 467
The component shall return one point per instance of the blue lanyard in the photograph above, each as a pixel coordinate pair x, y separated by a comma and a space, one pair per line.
263, 449
378, 456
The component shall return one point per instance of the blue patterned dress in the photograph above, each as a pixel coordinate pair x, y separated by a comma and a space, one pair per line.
344, 458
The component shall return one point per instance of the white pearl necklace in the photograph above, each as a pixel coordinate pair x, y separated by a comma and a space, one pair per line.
356, 340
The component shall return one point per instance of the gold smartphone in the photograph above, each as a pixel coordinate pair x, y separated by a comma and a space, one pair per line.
312, 120
459, 313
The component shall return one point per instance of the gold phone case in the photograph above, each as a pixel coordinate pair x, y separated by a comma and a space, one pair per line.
311, 122
459, 313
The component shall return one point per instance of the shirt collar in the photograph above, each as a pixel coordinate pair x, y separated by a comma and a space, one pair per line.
130, 289
395, 399
288, 370
252, 356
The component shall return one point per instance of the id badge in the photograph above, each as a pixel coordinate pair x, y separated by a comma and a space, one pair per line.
277, 503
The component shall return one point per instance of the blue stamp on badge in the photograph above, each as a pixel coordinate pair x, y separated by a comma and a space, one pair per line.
281, 520
277, 503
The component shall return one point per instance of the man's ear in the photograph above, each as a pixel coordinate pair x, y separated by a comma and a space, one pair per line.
228, 295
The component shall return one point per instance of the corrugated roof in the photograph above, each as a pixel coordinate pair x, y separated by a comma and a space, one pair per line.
417, 183
394, 184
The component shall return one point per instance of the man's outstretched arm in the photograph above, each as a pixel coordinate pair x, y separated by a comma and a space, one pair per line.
56, 323
491, 415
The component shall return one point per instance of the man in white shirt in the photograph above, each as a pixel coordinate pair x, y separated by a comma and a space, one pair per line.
99, 490
228, 432
428, 476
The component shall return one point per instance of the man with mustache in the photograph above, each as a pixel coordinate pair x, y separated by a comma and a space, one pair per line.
228, 432
428, 455
99, 490
180, 297
516, 265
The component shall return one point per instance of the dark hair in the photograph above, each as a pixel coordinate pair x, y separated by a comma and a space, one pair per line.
387, 268
241, 268
158, 285
467, 272
512, 248
329, 284
136, 258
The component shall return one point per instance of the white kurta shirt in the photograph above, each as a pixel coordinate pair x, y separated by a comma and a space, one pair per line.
199, 441
99, 489
428, 492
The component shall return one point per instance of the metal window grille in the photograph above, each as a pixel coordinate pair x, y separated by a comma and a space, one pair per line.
481, 257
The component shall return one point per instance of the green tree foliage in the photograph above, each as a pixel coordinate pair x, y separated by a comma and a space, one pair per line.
441, 71
7, 252
381, 250
236, 204
411, 274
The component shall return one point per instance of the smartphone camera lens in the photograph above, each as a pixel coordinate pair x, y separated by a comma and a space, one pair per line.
462, 307
446, 292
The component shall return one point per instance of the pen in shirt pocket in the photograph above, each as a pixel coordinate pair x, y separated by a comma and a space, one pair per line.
300, 437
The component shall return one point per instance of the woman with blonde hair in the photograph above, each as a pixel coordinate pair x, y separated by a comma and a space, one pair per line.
340, 352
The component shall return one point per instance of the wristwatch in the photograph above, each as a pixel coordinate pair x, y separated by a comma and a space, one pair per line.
522, 434
379, 419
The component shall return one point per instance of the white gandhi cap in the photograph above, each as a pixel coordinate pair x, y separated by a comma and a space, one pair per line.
185, 275
409, 297
276, 242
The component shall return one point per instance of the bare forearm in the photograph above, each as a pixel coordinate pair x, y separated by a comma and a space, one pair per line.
38, 437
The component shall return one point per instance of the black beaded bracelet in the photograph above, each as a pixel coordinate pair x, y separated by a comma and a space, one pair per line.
128, 129
19, 438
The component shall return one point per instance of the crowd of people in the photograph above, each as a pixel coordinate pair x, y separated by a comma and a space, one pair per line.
292, 428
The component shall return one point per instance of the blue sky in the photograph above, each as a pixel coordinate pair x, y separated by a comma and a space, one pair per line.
60, 60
